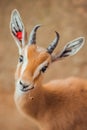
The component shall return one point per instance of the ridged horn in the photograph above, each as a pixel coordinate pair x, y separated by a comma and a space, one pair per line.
32, 38
53, 45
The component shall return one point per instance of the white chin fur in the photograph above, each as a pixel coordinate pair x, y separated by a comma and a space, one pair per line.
20, 90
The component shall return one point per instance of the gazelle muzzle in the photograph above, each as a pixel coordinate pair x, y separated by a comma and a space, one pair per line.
25, 87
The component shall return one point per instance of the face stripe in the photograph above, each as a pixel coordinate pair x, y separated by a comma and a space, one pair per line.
25, 62
38, 69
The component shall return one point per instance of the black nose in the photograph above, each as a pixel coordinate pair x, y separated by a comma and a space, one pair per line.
23, 85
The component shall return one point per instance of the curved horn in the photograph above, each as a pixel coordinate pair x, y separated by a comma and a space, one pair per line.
32, 38
52, 46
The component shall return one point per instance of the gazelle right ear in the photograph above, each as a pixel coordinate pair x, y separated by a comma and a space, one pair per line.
70, 49
17, 28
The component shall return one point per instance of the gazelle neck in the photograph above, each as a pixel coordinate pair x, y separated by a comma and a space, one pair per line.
31, 103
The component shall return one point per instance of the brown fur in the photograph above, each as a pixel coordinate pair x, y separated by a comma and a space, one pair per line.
57, 105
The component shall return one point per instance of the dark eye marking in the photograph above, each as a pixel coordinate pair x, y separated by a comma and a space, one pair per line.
44, 68
20, 58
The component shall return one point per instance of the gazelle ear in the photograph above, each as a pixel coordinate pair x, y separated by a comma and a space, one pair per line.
17, 28
70, 49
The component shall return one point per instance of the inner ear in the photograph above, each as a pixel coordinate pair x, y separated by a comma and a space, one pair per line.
17, 29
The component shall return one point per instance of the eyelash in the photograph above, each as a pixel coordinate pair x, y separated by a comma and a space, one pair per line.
20, 58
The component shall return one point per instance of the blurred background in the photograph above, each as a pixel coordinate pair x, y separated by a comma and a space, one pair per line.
69, 18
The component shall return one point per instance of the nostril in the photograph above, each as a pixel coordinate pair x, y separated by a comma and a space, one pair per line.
23, 85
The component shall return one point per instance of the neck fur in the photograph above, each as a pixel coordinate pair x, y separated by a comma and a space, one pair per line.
31, 102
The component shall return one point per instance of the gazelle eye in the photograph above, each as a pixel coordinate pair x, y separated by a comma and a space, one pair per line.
44, 69
20, 58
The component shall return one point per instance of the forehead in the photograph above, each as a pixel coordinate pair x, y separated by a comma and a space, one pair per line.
35, 53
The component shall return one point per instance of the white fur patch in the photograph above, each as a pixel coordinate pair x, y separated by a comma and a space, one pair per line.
25, 62
18, 91
40, 49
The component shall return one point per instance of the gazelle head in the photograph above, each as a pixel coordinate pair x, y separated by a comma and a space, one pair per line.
34, 60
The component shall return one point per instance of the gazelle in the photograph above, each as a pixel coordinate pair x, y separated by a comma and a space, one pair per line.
57, 105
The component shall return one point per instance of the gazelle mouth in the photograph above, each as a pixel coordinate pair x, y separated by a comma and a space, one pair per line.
27, 88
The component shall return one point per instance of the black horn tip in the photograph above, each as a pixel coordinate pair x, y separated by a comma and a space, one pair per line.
57, 34
53, 45
37, 26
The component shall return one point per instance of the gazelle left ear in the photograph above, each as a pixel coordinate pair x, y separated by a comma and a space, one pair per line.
70, 49
17, 28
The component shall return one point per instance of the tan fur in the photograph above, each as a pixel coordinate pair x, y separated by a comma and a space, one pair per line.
57, 105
